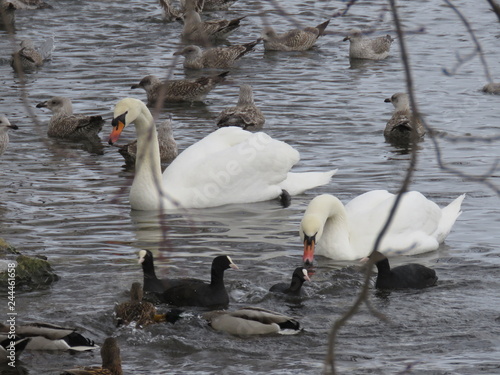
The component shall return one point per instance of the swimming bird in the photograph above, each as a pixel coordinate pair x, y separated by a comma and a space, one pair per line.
362, 47
294, 288
492, 88
348, 232
204, 32
28, 4
246, 114
293, 40
209, 5
64, 124
413, 275
142, 313
151, 281
230, 165
29, 58
194, 292
251, 321
179, 90
5, 125
111, 361
401, 127
216, 57
166, 141
45, 336
13, 345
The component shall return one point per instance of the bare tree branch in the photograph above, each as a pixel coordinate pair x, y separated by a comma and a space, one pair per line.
495, 7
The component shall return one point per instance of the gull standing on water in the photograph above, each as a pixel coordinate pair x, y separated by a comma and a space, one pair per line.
180, 90
401, 125
216, 58
246, 114
5, 125
168, 146
202, 32
64, 124
368, 48
293, 40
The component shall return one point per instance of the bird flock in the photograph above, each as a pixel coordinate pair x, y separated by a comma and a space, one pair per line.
237, 163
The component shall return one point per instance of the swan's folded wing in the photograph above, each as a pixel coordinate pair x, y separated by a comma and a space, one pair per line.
229, 166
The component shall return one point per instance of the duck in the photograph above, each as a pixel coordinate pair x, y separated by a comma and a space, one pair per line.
401, 127
214, 58
28, 58
251, 321
348, 232
194, 292
11, 348
299, 276
46, 336
407, 276
179, 90
64, 124
245, 114
293, 40
230, 165
111, 361
166, 142
205, 32
5, 125
142, 313
361, 47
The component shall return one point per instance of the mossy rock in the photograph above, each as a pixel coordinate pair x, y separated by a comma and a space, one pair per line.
31, 272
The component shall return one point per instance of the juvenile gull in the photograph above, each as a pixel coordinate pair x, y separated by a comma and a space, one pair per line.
246, 115
64, 124
5, 125
202, 32
368, 48
492, 88
400, 127
293, 40
26, 4
28, 58
218, 57
181, 90
168, 146
210, 5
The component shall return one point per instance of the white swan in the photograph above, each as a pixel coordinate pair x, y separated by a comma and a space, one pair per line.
230, 165
348, 232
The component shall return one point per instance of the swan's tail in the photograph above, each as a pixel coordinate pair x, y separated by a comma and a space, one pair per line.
297, 183
449, 215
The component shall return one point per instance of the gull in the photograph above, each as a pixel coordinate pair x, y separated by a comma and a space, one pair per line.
5, 125
197, 31
246, 114
401, 125
293, 40
368, 48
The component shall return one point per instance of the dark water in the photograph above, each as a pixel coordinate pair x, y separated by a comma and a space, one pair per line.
71, 205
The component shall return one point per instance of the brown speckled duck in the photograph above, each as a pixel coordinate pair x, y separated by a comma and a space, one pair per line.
111, 361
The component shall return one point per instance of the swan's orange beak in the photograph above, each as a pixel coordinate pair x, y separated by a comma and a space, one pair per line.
308, 257
118, 124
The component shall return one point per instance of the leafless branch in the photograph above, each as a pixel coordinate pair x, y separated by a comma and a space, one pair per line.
495, 7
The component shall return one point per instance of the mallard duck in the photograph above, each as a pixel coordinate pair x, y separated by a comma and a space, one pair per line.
111, 361
407, 276
64, 124
194, 292
5, 125
245, 114
361, 47
46, 336
214, 58
293, 40
294, 288
179, 90
251, 321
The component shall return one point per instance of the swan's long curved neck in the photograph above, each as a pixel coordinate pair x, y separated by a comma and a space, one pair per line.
148, 185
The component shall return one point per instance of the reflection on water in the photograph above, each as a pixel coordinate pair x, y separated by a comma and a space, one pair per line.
69, 202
